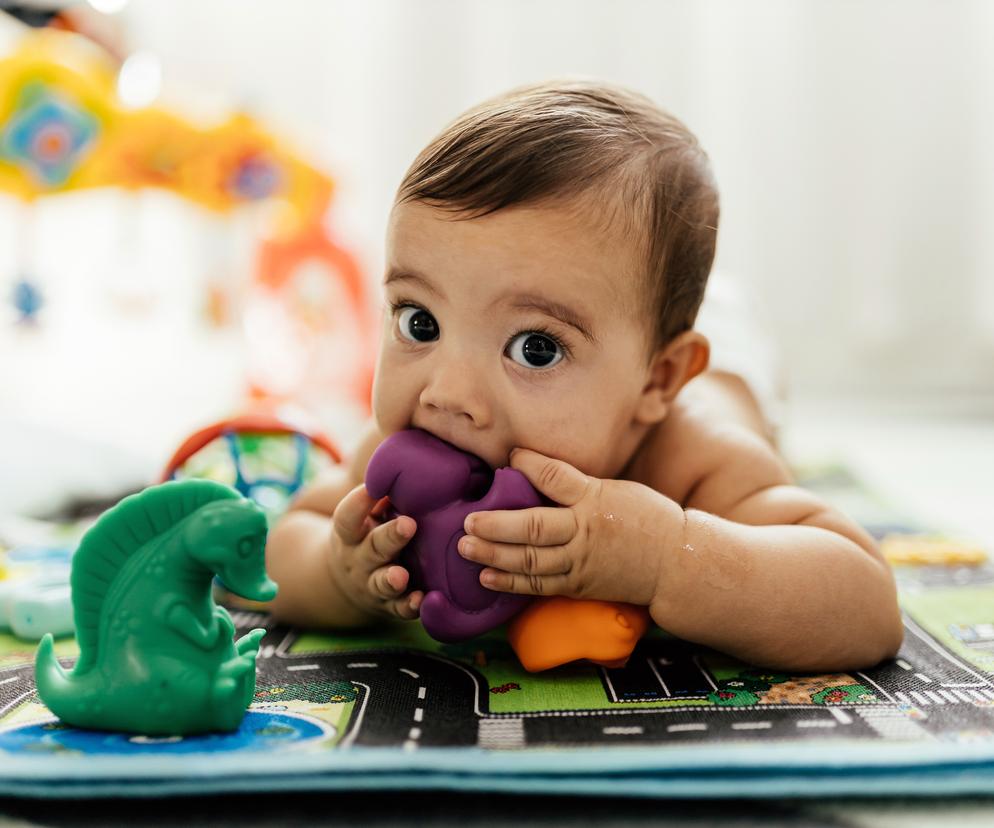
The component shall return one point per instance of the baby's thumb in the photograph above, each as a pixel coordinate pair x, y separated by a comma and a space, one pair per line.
349, 518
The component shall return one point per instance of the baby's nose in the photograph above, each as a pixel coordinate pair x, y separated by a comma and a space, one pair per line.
457, 389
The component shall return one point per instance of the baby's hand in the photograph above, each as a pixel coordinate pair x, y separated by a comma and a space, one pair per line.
362, 549
604, 541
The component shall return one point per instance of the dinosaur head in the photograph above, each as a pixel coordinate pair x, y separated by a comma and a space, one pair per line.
229, 538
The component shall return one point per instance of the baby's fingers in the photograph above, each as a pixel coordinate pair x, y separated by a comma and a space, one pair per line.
388, 582
387, 539
406, 607
349, 518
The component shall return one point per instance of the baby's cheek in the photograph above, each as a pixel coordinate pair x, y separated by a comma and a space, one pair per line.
392, 406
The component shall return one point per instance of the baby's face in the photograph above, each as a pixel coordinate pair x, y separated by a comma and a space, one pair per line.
517, 329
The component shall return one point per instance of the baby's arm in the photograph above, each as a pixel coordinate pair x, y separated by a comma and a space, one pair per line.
336, 571
807, 588
766, 570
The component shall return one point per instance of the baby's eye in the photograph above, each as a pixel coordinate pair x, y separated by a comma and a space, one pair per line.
417, 325
535, 350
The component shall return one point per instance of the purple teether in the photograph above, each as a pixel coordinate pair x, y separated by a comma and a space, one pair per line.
439, 485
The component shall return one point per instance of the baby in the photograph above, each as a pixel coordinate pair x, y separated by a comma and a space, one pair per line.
546, 258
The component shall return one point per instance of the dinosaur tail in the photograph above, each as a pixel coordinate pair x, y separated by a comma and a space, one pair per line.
56, 687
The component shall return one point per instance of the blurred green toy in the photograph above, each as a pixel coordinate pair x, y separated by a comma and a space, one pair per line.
157, 655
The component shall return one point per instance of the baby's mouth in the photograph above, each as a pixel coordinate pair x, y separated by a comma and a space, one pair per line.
445, 437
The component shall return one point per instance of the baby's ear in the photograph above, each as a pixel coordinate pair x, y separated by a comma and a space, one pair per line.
671, 368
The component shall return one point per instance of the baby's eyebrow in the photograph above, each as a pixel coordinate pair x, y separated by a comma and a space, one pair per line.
557, 310
395, 274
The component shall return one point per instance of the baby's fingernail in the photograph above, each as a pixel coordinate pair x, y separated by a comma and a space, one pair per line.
467, 524
405, 528
466, 545
487, 577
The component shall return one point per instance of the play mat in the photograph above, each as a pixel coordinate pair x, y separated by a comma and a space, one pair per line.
391, 708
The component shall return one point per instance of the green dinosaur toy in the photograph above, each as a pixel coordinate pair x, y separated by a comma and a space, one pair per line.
157, 655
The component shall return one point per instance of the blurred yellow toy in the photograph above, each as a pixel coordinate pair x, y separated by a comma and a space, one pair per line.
56, 105
930, 550
62, 127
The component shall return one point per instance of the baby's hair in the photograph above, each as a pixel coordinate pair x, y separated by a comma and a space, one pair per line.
561, 139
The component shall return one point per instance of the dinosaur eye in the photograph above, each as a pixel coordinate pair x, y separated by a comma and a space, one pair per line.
245, 547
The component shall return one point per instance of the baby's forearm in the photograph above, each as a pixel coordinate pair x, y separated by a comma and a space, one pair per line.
790, 597
298, 558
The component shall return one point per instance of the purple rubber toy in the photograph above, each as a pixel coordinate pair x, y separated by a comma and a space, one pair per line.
439, 485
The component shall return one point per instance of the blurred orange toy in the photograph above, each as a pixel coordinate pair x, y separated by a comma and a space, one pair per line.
308, 321
557, 630
265, 455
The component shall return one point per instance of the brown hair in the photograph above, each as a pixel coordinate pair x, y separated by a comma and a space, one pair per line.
561, 139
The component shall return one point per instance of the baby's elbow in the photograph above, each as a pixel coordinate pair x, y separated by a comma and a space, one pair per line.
895, 638
885, 644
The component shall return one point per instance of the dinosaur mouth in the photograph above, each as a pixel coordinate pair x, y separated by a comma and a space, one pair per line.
264, 590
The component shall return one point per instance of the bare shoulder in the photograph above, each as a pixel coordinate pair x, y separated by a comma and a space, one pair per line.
704, 461
708, 458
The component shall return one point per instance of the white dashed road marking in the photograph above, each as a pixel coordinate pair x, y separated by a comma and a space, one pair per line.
303, 667
421, 692
840, 715
680, 728
355, 664
923, 677
752, 725
9, 680
622, 731
411, 673
419, 714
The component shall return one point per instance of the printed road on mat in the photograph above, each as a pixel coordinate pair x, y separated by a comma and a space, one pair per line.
399, 688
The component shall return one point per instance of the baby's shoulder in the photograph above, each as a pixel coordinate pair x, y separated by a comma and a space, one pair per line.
698, 459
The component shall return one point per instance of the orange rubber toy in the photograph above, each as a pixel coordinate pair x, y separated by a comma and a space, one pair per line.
557, 630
